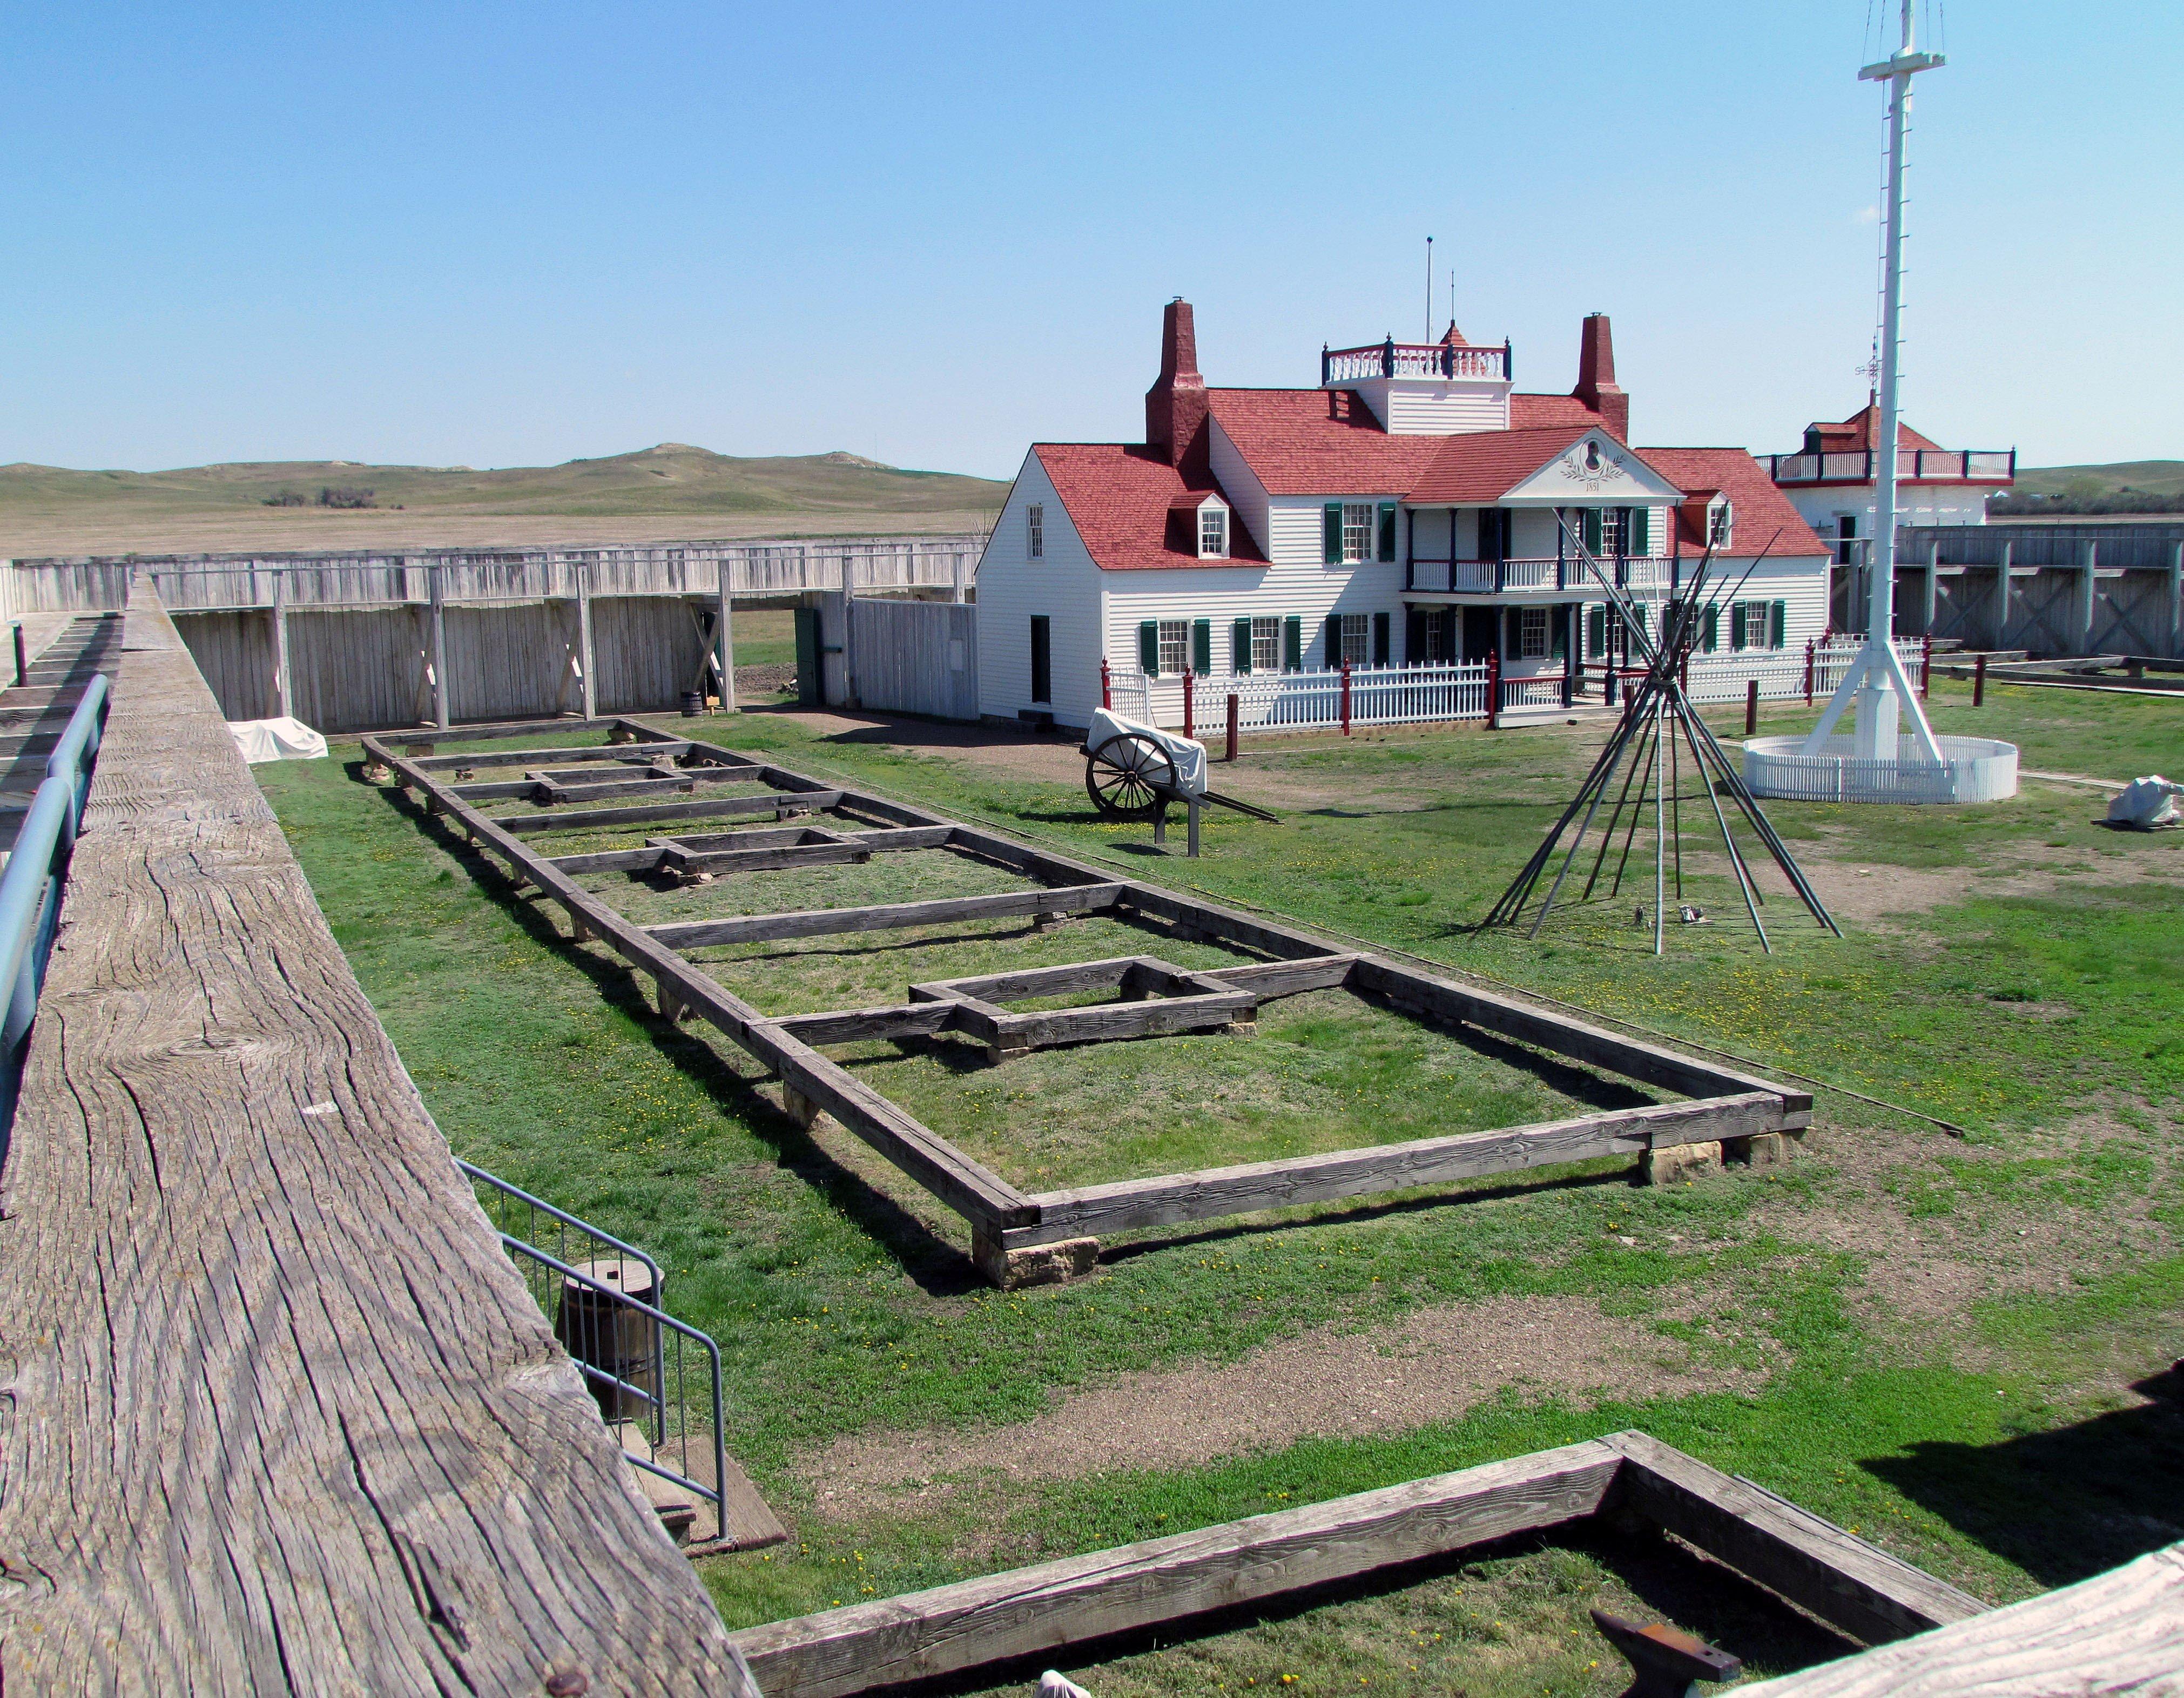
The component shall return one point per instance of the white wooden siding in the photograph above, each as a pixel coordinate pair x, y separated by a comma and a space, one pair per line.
1247, 494
1454, 408
1063, 584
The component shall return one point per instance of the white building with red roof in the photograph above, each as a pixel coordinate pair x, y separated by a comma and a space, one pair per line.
1413, 508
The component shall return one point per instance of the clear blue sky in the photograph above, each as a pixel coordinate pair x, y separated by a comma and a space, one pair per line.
513, 235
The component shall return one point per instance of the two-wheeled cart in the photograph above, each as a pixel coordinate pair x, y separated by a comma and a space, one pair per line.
1136, 773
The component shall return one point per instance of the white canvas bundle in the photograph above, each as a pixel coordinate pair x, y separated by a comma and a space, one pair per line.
276, 739
1189, 755
2145, 804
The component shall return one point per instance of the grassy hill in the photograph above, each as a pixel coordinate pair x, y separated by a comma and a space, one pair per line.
2121, 486
670, 490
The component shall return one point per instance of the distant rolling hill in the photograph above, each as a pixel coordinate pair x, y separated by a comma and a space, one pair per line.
2137, 486
663, 492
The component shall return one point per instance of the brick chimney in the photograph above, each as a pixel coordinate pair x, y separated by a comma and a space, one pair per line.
1596, 376
1175, 406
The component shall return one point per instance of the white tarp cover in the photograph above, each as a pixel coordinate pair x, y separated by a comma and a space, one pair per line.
2145, 804
1188, 756
276, 739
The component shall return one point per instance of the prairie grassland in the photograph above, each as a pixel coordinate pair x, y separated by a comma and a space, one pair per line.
1932, 1340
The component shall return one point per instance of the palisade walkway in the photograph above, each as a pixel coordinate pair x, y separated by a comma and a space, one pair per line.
276, 1413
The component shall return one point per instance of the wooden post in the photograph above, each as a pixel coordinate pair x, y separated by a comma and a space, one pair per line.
1812, 648
1189, 699
1926, 668
439, 614
1107, 686
1232, 725
2176, 598
1998, 608
22, 659
1927, 601
284, 701
849, 633
1979, 681
1494, 685
2088, 563
610, 1338
724, 633
585, 671
1345, 697
1752, 707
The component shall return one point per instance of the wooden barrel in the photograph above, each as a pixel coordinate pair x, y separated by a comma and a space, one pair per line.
607, 1334
694, 703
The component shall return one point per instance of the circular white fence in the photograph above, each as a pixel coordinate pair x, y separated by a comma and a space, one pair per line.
1972, 769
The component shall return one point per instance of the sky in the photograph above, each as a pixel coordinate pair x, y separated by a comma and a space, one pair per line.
516, 235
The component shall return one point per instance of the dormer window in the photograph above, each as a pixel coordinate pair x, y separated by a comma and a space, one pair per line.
1034, 531
1214, 532
1718, 524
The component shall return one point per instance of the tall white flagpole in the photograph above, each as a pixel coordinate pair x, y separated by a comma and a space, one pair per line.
1876, 679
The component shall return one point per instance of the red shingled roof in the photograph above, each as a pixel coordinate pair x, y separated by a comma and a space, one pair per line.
1758, 509
1319, 441
1855, 434
1480, 468
1119, 496
1539, 412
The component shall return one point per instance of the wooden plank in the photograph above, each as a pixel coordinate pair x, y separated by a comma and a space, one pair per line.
1095, 1211
858, 1025
1224, 925
1270, 979
1113, 1021
636, 752
283, 1416
653, 813
1028, 1611
1559, 1033
1065, 980
693, 934
848, 846
2118, 1632
562, 795
1846, 1582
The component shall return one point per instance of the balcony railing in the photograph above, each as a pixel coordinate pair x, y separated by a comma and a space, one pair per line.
1393, 359
1998, 465
1503, 577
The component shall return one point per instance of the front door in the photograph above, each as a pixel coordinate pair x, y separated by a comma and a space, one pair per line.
1480, 627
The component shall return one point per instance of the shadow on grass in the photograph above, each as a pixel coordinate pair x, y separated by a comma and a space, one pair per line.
2067, 1504
1671, 1581
931, 1262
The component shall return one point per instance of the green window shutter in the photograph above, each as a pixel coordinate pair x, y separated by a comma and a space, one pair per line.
1387, 531
1414, 636
1334, 638
1558, 624
1330, 533
1642, 611
1591, 530
1239, 646
1641, 530
1201, 646
1382, 634
1778, 624
1710, 633
1595, 631
1736, 624
1293, 644
1149, 647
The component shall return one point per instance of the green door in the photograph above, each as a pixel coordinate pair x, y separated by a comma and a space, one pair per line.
811, 691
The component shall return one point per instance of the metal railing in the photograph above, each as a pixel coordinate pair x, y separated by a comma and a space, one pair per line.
30, 887
1393, 359
1856, 465
632, 1352
1424, 576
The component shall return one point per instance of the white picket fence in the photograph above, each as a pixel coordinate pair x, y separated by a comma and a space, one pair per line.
1425, 695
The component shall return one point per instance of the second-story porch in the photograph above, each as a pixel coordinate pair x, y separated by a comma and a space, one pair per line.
1535, 554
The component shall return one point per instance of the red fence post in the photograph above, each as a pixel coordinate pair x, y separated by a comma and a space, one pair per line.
1106, 687
1926, 667
1752, 707
1979, 681
1810, 647
1232, 725
1345, 697
1493, 689
1189, 717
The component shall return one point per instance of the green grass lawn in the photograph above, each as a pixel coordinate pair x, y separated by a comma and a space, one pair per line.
1925, 1339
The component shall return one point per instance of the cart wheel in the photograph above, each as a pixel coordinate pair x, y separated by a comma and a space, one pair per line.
1130, 777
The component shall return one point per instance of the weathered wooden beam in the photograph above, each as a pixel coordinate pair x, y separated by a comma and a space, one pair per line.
548, 790
858, 1025
636, 753
1095, 1211
1110, 1023
1222, 925
1028, 1612
1846, 1582
692, 935
775, 803
1269, 980
1065, 980
848, 847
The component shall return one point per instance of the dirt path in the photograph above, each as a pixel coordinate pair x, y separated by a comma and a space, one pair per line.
1430, 1367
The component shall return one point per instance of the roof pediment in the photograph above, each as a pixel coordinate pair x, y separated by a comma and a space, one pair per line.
1595, 468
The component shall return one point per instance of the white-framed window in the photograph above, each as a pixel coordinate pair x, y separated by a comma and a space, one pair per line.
1174, 646
1357, 533
1213, 532
1265, 645
1035, 532
1532, 633
1431, 624
1356, 627
1719, 523
1614, 530
1749, 625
